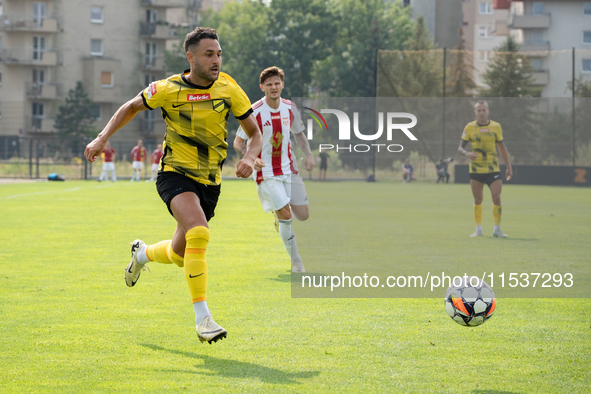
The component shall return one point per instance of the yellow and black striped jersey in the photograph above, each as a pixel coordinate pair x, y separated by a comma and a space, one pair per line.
196, 123
483, 140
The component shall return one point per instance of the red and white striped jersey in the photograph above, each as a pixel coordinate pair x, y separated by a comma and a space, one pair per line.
276, 125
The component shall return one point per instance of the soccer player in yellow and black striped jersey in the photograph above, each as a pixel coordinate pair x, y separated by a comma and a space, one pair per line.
195, 106
484, 136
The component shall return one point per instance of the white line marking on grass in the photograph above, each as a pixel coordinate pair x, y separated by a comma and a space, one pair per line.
43, 192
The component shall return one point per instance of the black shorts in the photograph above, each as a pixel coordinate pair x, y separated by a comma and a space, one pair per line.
170, 184
323, 166
486, 178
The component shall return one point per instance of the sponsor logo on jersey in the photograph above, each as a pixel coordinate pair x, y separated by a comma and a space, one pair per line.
198, 97
276, 141
151, 90
276, 116
484, 130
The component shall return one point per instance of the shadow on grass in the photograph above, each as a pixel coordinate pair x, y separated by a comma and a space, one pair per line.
285, 278
213, 366
493, 392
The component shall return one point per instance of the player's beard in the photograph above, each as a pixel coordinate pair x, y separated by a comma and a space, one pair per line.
204, 74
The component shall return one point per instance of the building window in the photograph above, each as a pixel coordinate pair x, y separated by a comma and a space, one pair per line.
486, 9
38, 47
38, 13
484, 31
587, 37
150, 55
537, 64
107, 80
97, 112
587, 65
537, 36
587, 9
485, 56
537, 8
96, 14
96, 47
151, 16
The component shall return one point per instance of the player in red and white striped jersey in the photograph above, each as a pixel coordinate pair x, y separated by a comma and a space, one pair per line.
108, 157
280, 188
138, 156
155, 159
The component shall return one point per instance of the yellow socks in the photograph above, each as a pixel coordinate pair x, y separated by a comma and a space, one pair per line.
478, 214
162, 253
497, 214
195, 263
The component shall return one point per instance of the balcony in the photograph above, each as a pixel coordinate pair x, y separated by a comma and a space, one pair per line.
39, 124
30, 23
541, 77
155, 63
528, 21
24, 57
43, 91
165, 3
162, 31
535, 48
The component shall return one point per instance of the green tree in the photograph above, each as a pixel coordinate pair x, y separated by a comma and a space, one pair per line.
416, 71
460, 82
510, 73
243, 29
299, 31
76, 117
362, 28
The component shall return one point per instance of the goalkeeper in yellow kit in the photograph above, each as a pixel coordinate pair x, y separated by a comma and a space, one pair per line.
485, 136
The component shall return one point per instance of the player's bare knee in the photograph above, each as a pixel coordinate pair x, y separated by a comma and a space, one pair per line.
477, 200
301, 213
284, 213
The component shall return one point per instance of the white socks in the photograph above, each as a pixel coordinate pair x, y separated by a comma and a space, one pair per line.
142, 256
497, 228
201, 311
289, 239
479, 228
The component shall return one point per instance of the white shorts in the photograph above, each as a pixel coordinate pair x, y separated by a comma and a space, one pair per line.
138, 165
277, 192
108, 166
155, 167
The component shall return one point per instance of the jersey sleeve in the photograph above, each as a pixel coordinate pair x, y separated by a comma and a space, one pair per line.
297, 125
240, 133
241, 107
465, 134
499, 134
155, 94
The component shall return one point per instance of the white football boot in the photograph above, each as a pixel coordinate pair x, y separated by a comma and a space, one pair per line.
499, 234
297, 266
209, 331
134, 268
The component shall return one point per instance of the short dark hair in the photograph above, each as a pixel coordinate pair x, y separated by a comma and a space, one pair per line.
271, 72
199, 34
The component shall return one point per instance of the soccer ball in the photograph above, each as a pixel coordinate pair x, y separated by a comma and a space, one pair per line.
471, 303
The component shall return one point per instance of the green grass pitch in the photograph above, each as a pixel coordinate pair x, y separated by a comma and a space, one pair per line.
70, 325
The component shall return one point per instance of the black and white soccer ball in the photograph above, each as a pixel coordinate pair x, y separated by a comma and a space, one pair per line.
470, 303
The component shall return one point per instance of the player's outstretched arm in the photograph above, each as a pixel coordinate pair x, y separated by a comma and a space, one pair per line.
253, 148
240, 146
124, 114
505, 155
302, 141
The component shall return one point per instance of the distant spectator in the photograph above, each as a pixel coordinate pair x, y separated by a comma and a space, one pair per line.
408, 172
324, 158
442, 170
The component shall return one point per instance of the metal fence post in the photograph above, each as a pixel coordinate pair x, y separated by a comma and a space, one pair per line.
574, 111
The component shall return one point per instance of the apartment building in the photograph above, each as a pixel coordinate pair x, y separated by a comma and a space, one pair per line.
114, 47
548, 31
484, 28
442, 19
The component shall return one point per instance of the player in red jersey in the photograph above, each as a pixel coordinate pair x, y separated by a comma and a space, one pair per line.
155, 159
108, 157
138, 156
280, 188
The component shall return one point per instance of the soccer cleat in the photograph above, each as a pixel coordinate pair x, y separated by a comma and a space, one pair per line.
276, 223
134, 268
477, 233
499, 234
209, 331
298, 266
